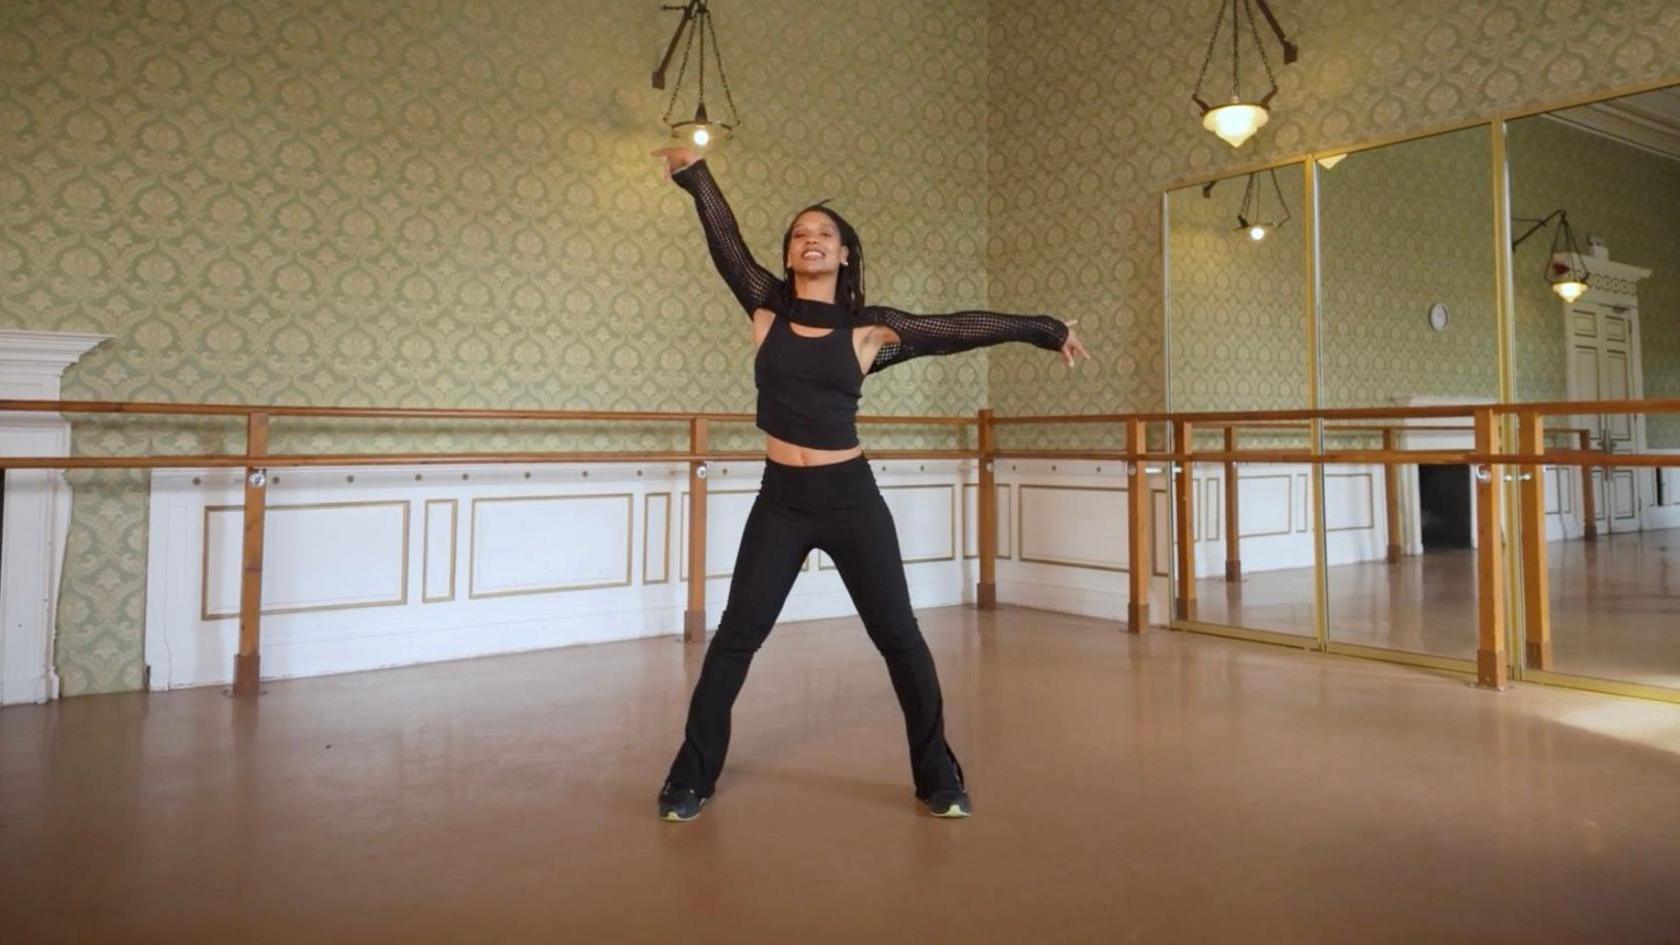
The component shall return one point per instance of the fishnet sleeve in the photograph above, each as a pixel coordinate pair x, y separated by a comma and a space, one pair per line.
753, 285
959, 331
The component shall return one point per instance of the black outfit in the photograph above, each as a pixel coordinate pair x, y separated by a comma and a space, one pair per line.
786, 406
808, 390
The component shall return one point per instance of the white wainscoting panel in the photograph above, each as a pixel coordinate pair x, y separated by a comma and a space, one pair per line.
375, 567
1275, 517
327, 556
439, 561
546, 543
1070, 522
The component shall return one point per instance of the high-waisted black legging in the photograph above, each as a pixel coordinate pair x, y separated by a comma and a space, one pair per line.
839, 509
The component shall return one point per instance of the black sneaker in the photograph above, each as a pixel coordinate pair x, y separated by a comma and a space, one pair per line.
679, 804
949, 802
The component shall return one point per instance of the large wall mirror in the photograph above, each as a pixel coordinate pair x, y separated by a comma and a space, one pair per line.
1237, 340
1406, 310
1408, 316
1595, 206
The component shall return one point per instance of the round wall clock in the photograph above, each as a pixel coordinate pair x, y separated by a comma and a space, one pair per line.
1438, 316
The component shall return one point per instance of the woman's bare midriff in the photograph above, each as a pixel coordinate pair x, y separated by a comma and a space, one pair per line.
789, 454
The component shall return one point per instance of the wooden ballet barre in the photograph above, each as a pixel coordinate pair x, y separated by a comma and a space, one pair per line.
423, 413
1488, 453
1209, 418
288, 461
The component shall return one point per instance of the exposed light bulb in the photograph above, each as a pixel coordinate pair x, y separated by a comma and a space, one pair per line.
1257, 232
702, 137
1570, 289
1235, 123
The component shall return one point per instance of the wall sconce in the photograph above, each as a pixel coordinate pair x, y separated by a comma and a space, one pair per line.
1252, 219
1237, 120
1568, 278
702, 129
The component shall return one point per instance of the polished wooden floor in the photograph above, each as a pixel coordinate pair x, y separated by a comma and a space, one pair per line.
1164, 788
1615, 605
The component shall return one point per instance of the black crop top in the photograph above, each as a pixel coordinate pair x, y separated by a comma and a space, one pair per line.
808, 388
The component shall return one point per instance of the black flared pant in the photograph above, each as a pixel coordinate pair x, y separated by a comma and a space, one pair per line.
836, 508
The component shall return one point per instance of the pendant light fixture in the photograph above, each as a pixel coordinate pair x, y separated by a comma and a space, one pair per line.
1236, 120
1254, 219
1568, 277
701, 130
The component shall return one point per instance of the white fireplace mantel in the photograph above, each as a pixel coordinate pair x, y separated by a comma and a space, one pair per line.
37, 509
1411, 501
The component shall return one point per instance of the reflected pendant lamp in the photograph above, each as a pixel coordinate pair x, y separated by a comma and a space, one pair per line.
1237, 118
1253, 219
1567, 276
702, 130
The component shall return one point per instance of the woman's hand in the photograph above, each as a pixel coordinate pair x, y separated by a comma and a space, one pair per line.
1073, 346
676, 159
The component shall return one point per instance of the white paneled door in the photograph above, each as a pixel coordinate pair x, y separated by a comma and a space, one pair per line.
1604, 365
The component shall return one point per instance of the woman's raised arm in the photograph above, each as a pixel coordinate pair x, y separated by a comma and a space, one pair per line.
753, 285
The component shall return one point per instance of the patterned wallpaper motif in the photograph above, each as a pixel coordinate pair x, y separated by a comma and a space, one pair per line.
445, 203
1090, 120
1628, 197
1403, 227
1236, 335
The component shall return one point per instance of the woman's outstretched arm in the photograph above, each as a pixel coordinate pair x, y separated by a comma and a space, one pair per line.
753, 285
914, 336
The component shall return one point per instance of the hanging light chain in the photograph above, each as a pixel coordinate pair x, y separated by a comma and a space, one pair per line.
1236, 52
1282, 203
704, 28
1207, 57
1238, 9
1565, 234
682, 72
1249, 211
717, 52
1254, 30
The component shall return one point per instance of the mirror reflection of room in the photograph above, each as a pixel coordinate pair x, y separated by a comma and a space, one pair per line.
1237, 340
1595, 202
1408, 318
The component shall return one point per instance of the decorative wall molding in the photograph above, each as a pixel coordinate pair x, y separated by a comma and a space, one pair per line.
552, 552
37, 510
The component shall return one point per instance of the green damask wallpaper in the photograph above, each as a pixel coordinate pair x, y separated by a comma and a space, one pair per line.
1090, 119
445, 203
1236, 332
1626, 196
1404, 227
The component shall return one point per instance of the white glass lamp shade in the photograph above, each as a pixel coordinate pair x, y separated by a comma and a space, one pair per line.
1569, 288
1235, 123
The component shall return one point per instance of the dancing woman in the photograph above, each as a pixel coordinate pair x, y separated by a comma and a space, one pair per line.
816, 342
